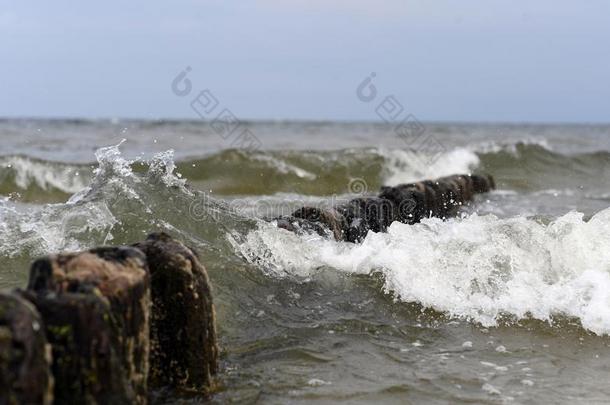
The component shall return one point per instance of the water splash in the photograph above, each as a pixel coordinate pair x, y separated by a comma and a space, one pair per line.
480, 267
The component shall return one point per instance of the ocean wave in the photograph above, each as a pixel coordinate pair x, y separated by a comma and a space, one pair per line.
23, 174
510, 147
480, 267
531, 167
477, 267
527, 165
124, 201
404, 166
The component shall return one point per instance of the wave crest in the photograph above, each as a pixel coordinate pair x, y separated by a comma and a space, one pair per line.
480, 267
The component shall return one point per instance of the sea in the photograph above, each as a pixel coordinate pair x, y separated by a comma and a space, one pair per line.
507, 303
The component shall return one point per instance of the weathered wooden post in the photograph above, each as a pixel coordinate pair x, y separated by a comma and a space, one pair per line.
184, 350
96, 308
83, 332
25, 356
406, 203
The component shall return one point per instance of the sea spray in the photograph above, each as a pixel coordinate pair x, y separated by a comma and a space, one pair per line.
479, 267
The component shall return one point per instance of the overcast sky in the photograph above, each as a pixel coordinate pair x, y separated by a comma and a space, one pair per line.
455, 60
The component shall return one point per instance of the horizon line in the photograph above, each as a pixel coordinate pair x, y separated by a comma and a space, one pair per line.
302, 120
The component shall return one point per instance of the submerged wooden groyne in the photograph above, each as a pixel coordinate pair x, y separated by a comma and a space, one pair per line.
112, 324
108, 325
406, 203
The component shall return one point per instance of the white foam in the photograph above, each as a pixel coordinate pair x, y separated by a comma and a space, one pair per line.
68, 179
53, 228
490, 389
406, 166
510, 147
162, 166
479, 267
284, 167
316, 382
86, 219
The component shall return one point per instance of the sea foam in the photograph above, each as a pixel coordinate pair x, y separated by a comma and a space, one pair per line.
404, 166
479, 267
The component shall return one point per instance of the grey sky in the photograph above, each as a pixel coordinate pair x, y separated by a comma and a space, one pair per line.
462, 60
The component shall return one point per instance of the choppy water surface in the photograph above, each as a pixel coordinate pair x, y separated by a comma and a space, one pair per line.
510, 302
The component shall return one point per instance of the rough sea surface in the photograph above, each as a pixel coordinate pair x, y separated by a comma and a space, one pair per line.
508, 303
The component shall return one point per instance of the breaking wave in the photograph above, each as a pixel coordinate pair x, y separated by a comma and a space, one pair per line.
484, 268
522, 166
479, 267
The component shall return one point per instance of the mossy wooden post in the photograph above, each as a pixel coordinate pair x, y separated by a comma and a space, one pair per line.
406, 203
184, 351
25, 356
96, 308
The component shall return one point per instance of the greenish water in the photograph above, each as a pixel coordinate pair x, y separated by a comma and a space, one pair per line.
509, 302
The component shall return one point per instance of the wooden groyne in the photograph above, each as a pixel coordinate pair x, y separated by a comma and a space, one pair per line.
406, 203
108, 325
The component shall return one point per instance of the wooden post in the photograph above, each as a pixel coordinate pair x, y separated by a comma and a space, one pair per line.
184, 350
91, 314
407, 203
96, 308
25, 356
